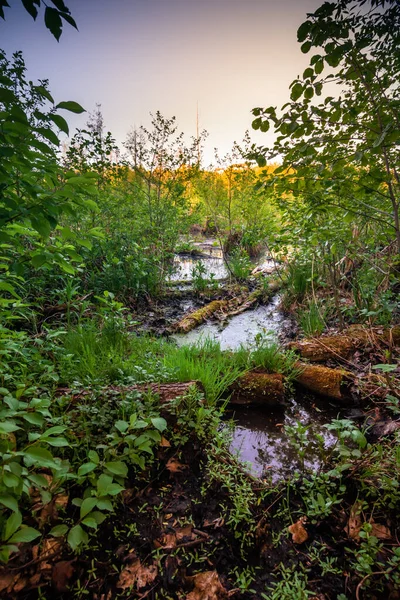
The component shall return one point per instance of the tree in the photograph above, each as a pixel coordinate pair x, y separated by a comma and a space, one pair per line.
162, 165
53, 17
343, 149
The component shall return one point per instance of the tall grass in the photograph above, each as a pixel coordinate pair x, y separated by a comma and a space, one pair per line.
110, 354
206, 362
312, 319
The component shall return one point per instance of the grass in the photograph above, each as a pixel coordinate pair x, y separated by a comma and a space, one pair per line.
312, 319
112, 355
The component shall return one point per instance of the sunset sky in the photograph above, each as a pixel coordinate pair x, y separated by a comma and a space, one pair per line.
138, 56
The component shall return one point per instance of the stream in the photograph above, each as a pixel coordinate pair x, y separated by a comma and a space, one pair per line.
262, 438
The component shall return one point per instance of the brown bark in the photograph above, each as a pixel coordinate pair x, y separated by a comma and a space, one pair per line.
343, 345
222, 309
331, 383
263, 389
216, 308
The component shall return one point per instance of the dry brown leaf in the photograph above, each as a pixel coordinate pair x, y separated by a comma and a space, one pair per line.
207, 586
50, 548
168, 540
298, 531
380, 531
354, 523
164, 443
7, 581
20, 584
62, 573
61, 500
183, 532
137, 575
174, 466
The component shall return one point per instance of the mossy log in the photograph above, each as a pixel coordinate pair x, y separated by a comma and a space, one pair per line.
258, 389
331, 383
217, 308
344, 344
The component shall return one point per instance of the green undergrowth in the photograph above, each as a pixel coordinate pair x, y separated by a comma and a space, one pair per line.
111, 354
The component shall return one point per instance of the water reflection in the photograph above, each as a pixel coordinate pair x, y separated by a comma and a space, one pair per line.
240, 329
260, 439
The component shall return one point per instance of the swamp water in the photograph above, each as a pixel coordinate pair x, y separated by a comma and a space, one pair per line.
210, 259
263, 438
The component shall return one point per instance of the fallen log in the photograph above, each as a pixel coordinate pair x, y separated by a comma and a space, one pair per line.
217, 308
344, 344
258, 389
331, 383
222, 309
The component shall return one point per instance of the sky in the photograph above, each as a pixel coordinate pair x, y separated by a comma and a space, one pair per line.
134, 57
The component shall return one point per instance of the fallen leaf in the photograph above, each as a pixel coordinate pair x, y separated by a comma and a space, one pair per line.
168, 540
183, 532
20, 584
137, 576
164, 443
354, 523
207, 586
174, 466
7, 581
380, 531
62, 573
298, 531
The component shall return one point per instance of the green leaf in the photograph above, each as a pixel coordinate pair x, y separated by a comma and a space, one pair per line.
60, 122
26, 534
71, 106
9, 501
8, 427
86, 468
76, 537
264, 126
256, 124
93, 456
12, 524
159, 423
309, 93
40, 456
59, 530
90, 522
87, 506
7, 95
38, 260
49, 135
261, 161
42, 91
42, 226
53, 21
303, 31
117, 468
34, 418
98, 516
306, 47
122, 426
104, 504
10, 480
296, 92
58, 442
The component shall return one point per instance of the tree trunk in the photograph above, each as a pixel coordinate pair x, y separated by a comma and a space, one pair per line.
331, 383
258, 389
343, 345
